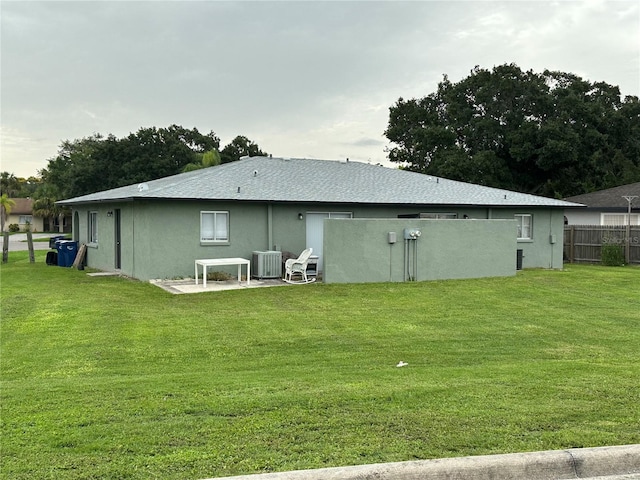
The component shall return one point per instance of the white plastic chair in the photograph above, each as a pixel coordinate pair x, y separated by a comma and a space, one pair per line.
298, 266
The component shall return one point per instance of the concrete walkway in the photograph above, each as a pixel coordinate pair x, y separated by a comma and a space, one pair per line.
600, 463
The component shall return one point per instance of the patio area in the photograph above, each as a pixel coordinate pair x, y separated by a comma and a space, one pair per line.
188, 285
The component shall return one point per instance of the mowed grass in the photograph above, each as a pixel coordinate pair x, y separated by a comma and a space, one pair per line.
113, 378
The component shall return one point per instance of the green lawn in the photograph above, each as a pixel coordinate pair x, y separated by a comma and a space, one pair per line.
104, 377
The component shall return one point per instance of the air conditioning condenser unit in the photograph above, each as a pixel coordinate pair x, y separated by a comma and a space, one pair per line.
267, 264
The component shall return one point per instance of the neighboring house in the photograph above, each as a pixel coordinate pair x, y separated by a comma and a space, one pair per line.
606, 207
22, 215
158, 228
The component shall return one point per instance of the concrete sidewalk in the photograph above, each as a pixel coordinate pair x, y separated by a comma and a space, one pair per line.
600, 463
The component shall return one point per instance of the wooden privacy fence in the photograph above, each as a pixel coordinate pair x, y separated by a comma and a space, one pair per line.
583, 243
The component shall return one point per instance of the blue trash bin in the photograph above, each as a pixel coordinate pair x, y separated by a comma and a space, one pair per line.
67, 251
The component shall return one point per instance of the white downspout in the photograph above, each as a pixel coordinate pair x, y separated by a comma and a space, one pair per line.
270, 245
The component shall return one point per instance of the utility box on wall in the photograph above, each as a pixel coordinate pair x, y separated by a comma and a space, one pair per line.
361, 250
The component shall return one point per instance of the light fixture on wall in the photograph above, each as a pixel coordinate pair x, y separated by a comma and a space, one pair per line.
110, 213
300, 216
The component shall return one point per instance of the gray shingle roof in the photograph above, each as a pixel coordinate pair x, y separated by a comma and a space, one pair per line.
317, 181
610, 198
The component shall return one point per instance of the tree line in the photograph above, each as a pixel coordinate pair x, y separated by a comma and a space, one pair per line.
550, 133
98, 162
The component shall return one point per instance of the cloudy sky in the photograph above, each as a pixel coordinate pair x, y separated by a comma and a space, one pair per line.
301, 79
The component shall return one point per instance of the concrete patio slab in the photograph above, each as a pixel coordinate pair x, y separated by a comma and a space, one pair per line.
188, 285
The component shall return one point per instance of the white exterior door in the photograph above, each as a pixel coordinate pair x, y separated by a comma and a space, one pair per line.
315, 230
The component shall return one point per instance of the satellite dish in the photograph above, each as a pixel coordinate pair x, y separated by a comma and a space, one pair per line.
143, 187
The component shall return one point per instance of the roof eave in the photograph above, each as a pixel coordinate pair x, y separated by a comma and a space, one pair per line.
72, 202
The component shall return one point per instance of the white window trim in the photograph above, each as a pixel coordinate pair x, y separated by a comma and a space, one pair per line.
522, 216
439, 215
24, 219
92, 228
619, 217
332, 214
214, 240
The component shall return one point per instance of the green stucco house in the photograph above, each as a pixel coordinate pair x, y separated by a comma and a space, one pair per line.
358, 218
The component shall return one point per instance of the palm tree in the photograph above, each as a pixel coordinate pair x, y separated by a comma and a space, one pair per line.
46, 207
210, 158
6, 204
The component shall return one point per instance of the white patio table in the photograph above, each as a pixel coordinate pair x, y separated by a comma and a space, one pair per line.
214, 262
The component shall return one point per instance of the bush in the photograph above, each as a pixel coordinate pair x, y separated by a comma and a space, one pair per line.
612, 255
219, 276
14, 227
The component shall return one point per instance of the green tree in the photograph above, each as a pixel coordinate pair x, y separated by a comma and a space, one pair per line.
240, 147
552, 133
28, 186
75, 170
18, 187
9, 184
98, 163
6, 204
153, 153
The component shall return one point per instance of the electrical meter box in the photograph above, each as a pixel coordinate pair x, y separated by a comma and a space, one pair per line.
412, 233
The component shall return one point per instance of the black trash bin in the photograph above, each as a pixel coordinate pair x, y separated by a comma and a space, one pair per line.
54, 239
67, 251
52, 258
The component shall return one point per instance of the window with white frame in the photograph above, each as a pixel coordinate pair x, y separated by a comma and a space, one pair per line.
24, 219
525, 226
440, 216
619, 219
214, 227
93, 227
